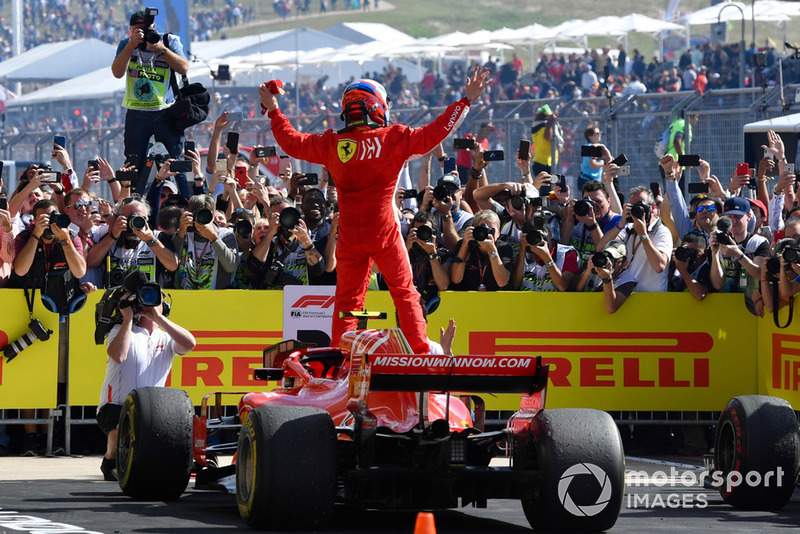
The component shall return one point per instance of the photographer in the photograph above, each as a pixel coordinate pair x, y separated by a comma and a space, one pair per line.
609, 273
587, 220
543, 264
140, 353
207, 254
647, 240
429, 264
481, 263
293, 251
147, 64
36, 250
445, 199
736, 255
129, 243
691, 267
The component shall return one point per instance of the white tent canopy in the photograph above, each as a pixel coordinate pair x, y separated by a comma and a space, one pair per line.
53, 62
723, 13
787, 123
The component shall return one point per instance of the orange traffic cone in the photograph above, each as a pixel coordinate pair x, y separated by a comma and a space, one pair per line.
425, 524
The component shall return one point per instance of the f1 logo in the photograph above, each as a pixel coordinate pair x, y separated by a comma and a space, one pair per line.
320, 301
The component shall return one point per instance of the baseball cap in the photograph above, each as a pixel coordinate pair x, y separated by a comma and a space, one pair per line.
171, 186
449, 178
737, 206
545, 109
617, 249
756, 202
138, 17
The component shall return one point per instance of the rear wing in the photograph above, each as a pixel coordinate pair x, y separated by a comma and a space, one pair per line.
463, 373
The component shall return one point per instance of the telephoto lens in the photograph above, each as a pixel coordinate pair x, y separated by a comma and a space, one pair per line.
535, 237
480, 233
137, 222
203, 216
440, 192
601, 259
685, 253
425, 233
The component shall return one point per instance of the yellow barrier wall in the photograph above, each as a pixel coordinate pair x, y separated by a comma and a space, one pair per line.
30, 379
659, 352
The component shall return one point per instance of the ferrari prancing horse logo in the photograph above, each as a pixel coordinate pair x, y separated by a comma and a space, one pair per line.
346, 149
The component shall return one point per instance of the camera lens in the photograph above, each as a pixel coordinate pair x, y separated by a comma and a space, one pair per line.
244, 228
773, 266
534, 237
600, 259
440, 192
137, 222
150, 294
791, 254
203, 216
582, 208
638, 210
424, 233
518, 202
480, 233
289, 217
61, 219
684, 253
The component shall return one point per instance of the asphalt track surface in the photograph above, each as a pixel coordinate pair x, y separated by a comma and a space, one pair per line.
55, 492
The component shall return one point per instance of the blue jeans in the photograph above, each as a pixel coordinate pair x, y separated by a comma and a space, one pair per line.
139, 126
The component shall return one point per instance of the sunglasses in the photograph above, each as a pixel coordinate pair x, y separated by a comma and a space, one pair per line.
81, 204
242, 210
701, 209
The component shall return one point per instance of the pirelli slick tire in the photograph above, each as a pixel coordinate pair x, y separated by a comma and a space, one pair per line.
757, 452
286, 468
580, 457
154, 455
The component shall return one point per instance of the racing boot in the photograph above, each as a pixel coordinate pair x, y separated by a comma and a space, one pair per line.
109, 469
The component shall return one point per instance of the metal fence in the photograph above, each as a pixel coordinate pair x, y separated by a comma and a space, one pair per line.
630, 126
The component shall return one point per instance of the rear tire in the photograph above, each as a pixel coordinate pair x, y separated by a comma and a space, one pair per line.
579, 455
154, 454
757, 434
286, 468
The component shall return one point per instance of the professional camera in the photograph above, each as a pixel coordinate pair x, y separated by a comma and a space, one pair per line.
441, 193
59, 219
791, 254
136, 222
535, 237
202, 216
640, 210
724, 238
289, 218
244, 228
36, 331
774, 266
601, 259
135, 292
583, 207
481, 232
425, 233
685, 253
150, 34
409, 193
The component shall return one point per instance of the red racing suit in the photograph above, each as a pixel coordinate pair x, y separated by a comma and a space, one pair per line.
365, 164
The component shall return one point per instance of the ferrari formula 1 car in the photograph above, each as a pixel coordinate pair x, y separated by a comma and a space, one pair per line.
358, 425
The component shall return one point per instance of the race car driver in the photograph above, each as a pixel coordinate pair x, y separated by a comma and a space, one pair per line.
366, 158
